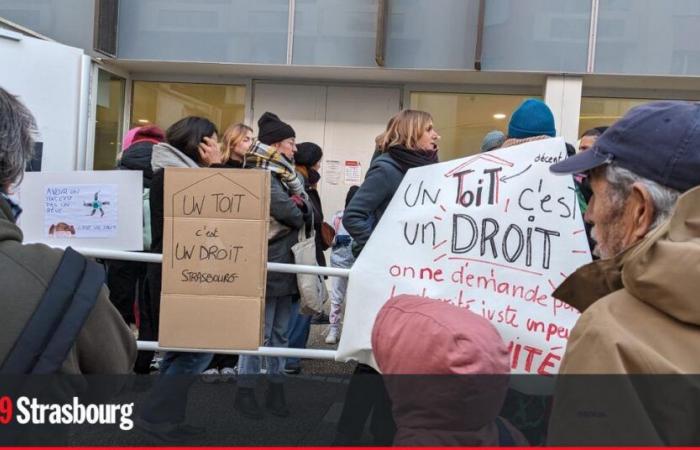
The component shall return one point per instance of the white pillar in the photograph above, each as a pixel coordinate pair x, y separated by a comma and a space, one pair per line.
562, 93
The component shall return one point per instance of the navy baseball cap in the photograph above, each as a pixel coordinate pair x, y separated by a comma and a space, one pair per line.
658, 140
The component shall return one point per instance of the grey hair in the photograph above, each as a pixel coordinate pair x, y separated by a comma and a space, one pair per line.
621, 181
17, 131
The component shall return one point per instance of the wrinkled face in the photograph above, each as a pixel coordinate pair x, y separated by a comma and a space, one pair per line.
429, 138
586, 143
287, 147
242, 147
608, 218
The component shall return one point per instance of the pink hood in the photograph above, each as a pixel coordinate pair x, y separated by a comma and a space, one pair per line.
419, 335
446, 370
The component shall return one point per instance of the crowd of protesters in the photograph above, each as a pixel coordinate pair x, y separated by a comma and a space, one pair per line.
637, 184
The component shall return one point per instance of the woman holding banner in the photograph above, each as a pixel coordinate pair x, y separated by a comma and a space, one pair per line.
409, 141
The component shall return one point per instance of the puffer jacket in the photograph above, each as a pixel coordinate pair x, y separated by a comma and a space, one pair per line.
104, 345
640, 318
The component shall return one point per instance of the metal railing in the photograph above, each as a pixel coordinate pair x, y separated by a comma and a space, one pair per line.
261, 351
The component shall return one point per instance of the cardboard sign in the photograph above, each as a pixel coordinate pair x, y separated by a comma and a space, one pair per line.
494, 233
214, 258
94, 209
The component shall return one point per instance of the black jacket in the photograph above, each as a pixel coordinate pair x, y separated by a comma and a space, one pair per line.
315, 201
138, 157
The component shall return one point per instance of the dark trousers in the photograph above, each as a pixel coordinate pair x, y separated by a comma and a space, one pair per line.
366, 395
219, 361
149, 313
125, 280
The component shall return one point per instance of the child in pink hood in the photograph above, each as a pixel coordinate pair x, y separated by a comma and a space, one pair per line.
446, 370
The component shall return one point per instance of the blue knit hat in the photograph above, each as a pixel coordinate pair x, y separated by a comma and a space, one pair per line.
532, 118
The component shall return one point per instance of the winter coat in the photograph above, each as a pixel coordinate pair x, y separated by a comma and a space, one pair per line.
138, 157
640, 315
371, 200
447, 383
315, 201
279, 248
104, 345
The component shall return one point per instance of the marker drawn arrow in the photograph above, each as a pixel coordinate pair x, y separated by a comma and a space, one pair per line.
503, 179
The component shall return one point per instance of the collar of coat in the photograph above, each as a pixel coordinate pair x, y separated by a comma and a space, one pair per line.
662, 270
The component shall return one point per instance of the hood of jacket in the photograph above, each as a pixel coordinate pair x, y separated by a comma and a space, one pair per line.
8, 230
445, 368
138, 157
165, 155
656, 270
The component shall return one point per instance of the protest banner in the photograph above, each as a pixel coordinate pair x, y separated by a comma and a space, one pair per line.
214, 258
495, 233
95, 209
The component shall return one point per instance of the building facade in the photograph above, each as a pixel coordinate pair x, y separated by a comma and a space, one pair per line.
338, 69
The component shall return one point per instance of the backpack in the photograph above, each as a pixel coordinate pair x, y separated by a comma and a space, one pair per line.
51, 331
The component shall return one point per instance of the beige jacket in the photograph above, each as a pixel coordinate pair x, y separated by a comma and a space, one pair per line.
640, 317
641, 310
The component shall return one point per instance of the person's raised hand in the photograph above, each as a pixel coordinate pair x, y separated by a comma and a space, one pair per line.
210, 152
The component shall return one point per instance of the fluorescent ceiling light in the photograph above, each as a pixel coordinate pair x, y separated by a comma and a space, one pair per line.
499, 116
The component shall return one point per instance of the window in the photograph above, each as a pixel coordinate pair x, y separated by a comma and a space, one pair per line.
541, 35
166, 103
335, 32
109, 116
464, 119
601, 111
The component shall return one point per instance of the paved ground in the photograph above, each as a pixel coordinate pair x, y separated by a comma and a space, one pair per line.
323, 367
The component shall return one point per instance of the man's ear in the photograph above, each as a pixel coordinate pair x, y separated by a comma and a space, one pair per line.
642, 210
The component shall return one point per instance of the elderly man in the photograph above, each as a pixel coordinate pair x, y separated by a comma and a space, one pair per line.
55, 309
639, 302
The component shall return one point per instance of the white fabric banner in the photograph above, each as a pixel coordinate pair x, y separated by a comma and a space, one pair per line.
495, 233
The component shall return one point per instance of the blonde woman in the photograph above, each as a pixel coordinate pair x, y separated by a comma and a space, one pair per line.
410, 140
236, 142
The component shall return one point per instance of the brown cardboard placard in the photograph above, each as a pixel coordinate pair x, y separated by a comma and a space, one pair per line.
214, 258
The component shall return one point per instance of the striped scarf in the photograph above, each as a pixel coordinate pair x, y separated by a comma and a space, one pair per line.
266, 157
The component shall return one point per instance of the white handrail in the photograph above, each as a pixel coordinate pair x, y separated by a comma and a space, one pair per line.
158, 258
308, 353
261, 351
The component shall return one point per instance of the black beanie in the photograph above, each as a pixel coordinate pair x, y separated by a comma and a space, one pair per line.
307, 154
272, 129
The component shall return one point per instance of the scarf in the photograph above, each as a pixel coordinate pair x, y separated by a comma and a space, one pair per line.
165, 155
266, 157
408, 159
513, 141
